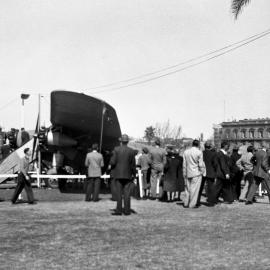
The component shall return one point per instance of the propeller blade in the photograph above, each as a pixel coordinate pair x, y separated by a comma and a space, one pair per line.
34, 150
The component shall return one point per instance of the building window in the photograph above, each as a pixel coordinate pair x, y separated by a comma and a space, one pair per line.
227, 134
268, 133
251, 133
243, 134
235, 131
260, 133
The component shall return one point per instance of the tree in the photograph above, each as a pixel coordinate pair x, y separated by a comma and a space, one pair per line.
237, 6
149, 134
168, 134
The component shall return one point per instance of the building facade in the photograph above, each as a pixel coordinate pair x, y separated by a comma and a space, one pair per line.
243, 132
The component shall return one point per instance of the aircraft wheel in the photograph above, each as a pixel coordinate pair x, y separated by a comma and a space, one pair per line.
51, 183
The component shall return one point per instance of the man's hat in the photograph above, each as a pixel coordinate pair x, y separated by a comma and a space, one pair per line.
145, 150
207, 144
235, 147
157, 141
124, 138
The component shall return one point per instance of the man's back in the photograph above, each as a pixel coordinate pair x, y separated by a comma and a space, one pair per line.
193, 164
210, 160
245, 163
261, 166
123, 162
94, 162
158, 158
25, 137
144, 161
223, 167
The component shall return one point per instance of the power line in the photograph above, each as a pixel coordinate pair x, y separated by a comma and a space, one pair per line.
179, 64
7, 104
223, 51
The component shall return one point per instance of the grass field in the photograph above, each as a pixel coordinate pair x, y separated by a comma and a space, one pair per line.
64, 232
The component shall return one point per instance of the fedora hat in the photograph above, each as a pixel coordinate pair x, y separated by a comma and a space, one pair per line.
124, 138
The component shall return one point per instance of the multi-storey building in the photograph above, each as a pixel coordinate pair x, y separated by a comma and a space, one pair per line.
243, 132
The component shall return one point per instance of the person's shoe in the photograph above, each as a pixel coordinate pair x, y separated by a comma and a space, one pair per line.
248, 203
210, 204
185, 206
116, 213
227, 202
32, 202
241, 200
133, 211
127, 213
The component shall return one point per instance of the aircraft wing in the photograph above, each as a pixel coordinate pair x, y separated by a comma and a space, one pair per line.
11, 164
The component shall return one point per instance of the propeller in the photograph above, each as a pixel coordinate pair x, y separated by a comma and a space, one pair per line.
34, 149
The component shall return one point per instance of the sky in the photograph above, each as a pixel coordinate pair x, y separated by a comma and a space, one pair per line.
81, 45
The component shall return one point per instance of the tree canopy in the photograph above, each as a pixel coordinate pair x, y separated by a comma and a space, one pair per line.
237, 6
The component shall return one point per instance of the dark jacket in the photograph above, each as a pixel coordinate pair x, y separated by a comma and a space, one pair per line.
123, 162
223, 167
261, 166
210, 160
172, 171
234, 170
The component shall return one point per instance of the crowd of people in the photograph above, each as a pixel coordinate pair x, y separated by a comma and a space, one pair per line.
167, 175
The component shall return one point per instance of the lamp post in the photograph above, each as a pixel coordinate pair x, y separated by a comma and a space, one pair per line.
23, 97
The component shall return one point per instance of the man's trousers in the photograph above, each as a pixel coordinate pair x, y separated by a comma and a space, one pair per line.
154, 183
248, 178
224, 188
123, 187
23, 183
92, 189
254, 186
192, 191
210, 190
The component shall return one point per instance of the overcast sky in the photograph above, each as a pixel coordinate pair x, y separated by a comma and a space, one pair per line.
79, 45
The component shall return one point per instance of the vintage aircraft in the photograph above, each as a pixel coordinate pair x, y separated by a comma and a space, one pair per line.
77, 121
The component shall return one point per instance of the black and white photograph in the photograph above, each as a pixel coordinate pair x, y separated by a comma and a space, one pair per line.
134, 134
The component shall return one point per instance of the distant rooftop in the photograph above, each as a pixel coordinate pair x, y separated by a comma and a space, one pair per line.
258, 121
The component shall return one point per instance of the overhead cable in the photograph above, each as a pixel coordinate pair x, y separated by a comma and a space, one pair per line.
215, 54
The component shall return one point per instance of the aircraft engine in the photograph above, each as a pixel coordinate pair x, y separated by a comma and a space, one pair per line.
59, 139
42, 136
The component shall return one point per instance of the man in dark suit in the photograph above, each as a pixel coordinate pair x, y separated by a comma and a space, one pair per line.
260, 172
235, 174
124, 169
210, 160
223, 183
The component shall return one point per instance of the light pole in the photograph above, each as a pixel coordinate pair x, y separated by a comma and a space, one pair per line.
23, 97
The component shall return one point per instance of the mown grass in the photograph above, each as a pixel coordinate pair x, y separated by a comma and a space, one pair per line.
64, 232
